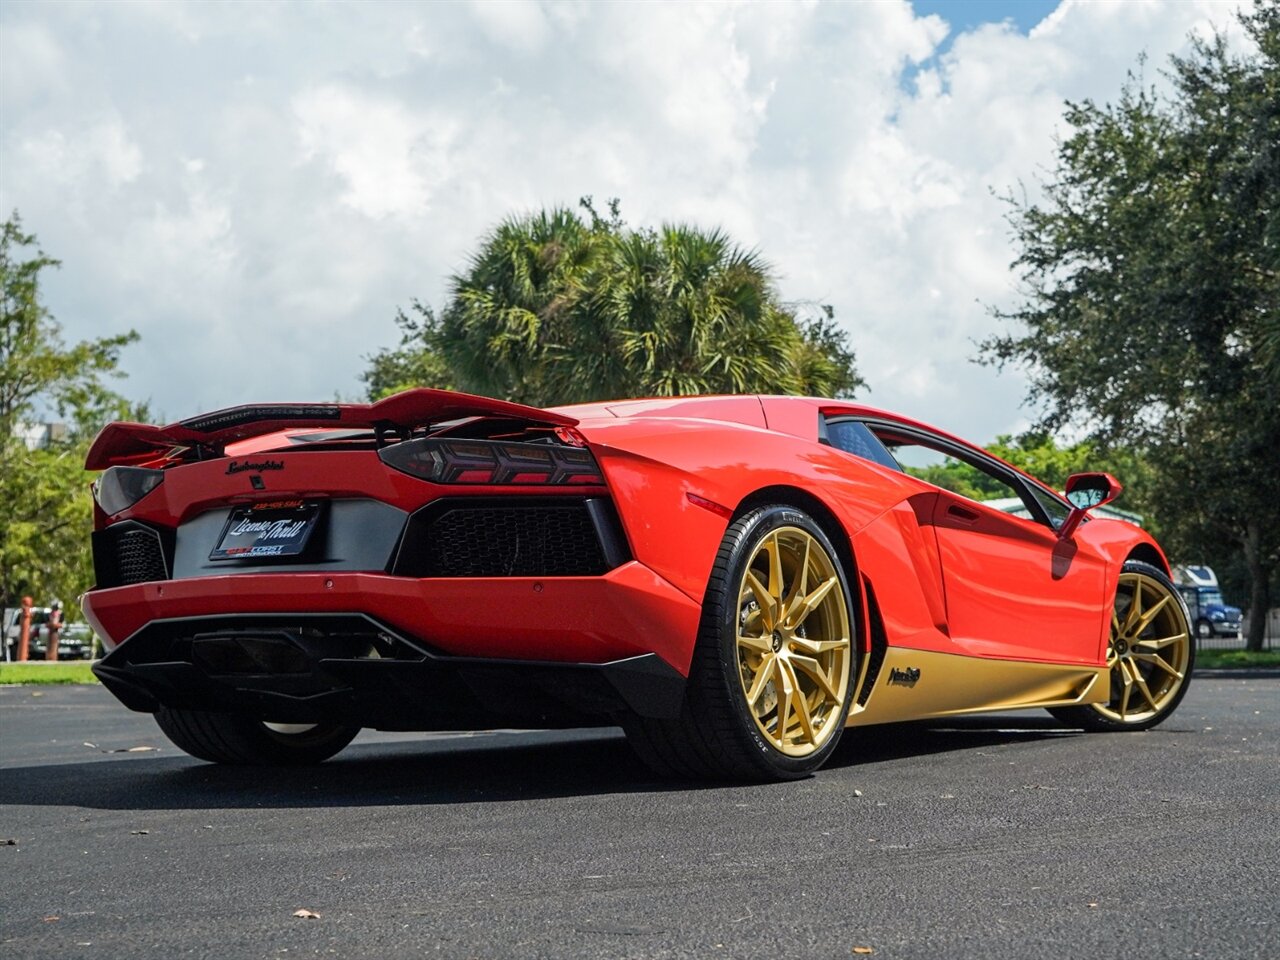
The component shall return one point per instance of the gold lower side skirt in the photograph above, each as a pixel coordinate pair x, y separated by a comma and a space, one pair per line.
918, 684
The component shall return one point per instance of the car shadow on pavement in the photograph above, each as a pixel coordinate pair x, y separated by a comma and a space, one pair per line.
917, 738
483, 767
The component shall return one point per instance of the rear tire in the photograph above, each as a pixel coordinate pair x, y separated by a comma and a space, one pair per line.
1151, 655
773, 669
226, 738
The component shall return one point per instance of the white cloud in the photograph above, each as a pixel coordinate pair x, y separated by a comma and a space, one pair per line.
285, 176
100, 154
512, 23
32, 65
390, 158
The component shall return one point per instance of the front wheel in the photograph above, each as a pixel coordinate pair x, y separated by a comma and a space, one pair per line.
226, 738
773, 668
1150, 655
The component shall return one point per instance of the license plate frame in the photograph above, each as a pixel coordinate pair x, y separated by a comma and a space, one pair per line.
272, 530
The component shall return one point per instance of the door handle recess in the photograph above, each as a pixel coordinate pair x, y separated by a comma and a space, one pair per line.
960, 513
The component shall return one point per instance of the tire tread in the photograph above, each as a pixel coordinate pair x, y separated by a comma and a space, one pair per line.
242, 741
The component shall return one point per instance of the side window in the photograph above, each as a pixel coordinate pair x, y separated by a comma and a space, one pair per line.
852, 436
965, 473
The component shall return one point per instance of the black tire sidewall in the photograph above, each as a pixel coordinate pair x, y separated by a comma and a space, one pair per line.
746, 535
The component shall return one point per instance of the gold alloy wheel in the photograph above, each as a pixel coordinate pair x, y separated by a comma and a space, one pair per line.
1150, 650
794, 648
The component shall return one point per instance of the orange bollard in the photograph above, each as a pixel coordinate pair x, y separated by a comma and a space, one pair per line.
24, 630
55, 628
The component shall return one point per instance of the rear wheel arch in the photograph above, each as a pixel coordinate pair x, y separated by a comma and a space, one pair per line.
823, 515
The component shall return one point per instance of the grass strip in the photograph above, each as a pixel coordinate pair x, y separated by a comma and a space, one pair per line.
40, 671
1237, 659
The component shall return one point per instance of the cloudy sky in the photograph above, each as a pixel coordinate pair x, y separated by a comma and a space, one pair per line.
255, 188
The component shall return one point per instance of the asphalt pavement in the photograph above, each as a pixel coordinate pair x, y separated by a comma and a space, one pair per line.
984, 837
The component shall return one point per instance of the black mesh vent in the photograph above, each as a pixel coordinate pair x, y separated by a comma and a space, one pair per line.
139, 558
131, 552
493, 540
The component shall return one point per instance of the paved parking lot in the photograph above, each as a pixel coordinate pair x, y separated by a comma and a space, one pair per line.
990, 837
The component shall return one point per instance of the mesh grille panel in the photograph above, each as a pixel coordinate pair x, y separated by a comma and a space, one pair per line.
517, 541
139, 557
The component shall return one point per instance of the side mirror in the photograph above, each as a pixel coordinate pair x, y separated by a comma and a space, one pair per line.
1086, 491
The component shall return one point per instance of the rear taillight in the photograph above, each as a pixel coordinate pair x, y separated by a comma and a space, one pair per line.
492, 462
121, 487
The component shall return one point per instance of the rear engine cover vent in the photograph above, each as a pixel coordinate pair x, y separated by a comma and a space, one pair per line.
537, 537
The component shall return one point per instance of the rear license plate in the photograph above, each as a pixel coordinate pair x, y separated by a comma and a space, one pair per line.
280, 528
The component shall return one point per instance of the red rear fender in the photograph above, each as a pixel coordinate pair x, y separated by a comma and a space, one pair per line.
659, 470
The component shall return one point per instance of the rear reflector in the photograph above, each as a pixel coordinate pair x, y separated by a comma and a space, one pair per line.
493, 462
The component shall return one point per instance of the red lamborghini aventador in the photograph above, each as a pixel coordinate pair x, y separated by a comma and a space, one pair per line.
734, 580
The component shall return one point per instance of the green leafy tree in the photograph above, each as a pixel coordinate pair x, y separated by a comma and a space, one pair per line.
558, 307
46, 511
1152, 284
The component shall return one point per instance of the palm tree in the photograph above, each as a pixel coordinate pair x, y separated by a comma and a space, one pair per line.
694, 313
555, 308
505, 329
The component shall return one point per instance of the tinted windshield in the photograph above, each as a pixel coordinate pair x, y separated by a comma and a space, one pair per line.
1211, 597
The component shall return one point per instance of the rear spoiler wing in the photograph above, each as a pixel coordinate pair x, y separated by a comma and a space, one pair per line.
121, 444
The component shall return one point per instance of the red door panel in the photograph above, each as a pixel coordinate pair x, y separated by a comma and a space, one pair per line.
1013, 589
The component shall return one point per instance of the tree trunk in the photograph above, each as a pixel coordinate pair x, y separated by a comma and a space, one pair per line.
1260, 577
